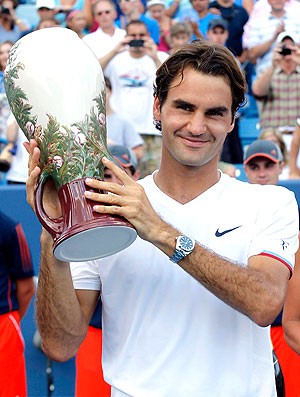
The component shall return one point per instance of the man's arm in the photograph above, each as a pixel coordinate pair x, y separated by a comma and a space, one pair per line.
295, 146
25, 292
257, 290
291, 309
62, 314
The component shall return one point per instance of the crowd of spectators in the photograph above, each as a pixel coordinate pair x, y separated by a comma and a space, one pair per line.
131, 38
255, 31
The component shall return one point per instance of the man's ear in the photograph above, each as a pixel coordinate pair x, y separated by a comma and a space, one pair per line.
156, 109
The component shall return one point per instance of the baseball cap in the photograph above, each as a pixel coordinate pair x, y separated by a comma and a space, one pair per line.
155, 3
218, 23
291, 35
45, 3
124, 156
263, 148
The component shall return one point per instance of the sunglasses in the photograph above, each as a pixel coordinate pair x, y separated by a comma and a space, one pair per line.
103, 12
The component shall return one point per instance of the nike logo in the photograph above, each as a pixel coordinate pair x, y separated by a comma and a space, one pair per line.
219, 234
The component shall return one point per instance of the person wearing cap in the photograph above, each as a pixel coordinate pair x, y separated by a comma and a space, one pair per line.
217, 31
156, 9
186, 307
89, 379
263, 165
261, 32
263, 162
236, 17
45, 9
198, 18
277, 88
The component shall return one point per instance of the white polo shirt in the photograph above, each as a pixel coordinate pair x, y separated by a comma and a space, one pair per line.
164, 334
102, 43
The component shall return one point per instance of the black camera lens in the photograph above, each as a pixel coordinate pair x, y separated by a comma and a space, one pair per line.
285, 51
136, 43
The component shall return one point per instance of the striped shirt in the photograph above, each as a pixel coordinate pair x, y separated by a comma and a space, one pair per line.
282, 105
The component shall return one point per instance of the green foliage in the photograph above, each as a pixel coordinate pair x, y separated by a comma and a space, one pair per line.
67, 152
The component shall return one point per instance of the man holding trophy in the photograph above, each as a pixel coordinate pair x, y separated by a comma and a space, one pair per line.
186, 306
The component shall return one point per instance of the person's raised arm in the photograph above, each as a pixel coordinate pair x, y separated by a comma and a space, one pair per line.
257, 290
62, 315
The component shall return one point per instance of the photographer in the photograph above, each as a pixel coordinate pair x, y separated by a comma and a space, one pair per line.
11, 27
131, 68
278, 87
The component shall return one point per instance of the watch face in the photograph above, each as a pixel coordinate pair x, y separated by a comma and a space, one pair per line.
186, 243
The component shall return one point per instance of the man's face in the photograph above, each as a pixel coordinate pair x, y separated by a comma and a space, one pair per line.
128, 7
157, 11
45, 13
137, 32
277, 5
4, 51
105, 14
263, 171
218, 35
200, 5
196, 118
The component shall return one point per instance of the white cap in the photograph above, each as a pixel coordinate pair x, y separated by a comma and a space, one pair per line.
45, 3
293, 36
155, 3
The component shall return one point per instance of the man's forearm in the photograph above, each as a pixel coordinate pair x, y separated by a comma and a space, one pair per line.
261, 85
58, 313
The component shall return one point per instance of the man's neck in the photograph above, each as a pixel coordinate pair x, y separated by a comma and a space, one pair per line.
288, 67
278, 13
202, 14
225, 4
187, 182
110, 30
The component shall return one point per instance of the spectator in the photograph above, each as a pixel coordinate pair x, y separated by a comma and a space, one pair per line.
131, 74
107, 35
278, 88
45, 9
47, 23
157, 10
76, 21
89, 374
263, 165
236, 16
180, 34
11, 27
17, 172
4, 106
232, 152
198, 17
262, 31
16, 291
121, 131
131, 11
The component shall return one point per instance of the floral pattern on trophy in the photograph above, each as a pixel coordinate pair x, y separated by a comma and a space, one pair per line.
67, 153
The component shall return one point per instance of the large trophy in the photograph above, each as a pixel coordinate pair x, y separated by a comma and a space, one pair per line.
56, 91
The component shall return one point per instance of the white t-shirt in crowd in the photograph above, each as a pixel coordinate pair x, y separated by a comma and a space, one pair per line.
102, 43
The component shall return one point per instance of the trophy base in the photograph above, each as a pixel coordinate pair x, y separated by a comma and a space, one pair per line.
94, 243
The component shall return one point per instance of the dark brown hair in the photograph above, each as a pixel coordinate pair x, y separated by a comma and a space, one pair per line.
206, 58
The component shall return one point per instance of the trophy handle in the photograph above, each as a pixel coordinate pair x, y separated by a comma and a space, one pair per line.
54, 226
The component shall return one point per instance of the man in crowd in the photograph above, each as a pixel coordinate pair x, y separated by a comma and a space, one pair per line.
107, 36
131, 73
208, 266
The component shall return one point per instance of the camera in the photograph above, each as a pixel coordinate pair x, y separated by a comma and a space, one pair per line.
285, 51
136, 43
4, 10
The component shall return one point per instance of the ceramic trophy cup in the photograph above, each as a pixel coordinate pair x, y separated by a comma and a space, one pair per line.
56, 91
